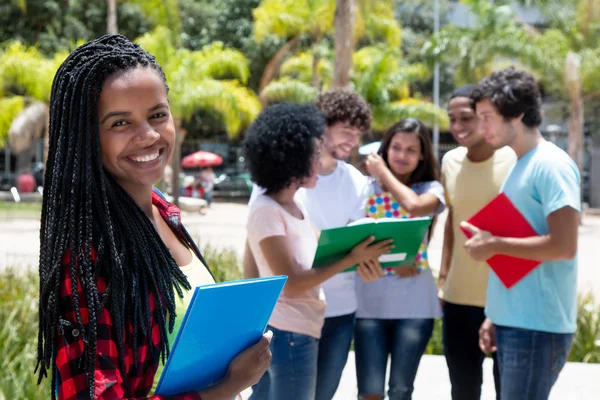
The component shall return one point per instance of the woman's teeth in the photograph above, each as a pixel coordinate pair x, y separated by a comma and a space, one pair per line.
148, 158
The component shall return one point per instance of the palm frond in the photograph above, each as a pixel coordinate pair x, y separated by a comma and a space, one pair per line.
163, 13
236, 105
28, 71
386, 115
290, 90
300, 67
381, 24
283, 18
215, 61
158, 43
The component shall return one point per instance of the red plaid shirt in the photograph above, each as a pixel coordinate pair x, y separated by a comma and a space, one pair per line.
72, 382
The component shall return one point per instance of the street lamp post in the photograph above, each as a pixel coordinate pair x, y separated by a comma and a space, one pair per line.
436, 81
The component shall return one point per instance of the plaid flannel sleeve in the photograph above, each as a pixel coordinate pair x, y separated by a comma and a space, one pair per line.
69, 361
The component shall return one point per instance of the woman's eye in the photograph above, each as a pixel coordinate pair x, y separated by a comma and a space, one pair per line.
159, 115
118, 123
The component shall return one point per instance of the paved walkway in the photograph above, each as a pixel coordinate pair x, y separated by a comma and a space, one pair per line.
224, 227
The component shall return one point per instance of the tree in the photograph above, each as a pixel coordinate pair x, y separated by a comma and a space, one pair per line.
380, 75
54, 25
212, 79
25, 84
564, 57
293, 20
344, 42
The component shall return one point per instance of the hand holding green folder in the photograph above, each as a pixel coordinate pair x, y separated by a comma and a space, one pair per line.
407, 234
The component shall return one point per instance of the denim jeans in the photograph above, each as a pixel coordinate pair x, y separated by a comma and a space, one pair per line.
293, 370
375, 339
334, 346
530, 361
460, 332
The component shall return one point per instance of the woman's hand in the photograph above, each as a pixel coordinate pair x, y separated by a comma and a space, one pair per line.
375, 165
248, 367
367, 250
370, 271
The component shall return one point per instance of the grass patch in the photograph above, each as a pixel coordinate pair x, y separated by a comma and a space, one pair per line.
20, 210
224, 264
18, 336
586, 343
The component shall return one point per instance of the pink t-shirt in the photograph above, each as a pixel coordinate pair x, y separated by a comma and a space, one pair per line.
303, 313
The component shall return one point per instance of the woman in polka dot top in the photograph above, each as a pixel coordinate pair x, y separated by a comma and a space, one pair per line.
395, 314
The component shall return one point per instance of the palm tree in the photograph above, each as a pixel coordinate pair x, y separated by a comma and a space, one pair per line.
294, 19
211, 79
379, 75
25, 85
564, 58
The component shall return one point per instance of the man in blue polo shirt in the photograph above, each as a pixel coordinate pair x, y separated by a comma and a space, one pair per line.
531, 325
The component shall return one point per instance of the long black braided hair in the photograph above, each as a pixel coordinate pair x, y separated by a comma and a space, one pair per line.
87, 215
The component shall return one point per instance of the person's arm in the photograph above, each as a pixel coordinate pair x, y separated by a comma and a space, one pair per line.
559, 244
250, 267
281, 260
447, 249
69, 359
416, 205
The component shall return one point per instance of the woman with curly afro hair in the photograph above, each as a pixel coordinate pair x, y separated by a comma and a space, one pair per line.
282, 150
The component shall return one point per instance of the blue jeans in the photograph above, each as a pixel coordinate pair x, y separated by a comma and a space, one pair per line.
375, 339
293, 370
334, 346
530, 361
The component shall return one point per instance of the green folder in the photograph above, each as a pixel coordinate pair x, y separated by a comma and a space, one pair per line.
408, 234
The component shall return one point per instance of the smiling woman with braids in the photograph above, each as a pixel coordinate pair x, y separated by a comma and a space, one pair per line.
116, 265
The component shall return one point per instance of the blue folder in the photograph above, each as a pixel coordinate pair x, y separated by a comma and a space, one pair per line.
222, 320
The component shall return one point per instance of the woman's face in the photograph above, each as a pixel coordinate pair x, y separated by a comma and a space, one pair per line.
404, 153
137, 133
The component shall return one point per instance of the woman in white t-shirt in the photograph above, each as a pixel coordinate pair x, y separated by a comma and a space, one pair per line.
281, 149
395, 314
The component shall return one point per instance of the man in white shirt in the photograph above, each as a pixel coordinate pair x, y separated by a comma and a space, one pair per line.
338, 198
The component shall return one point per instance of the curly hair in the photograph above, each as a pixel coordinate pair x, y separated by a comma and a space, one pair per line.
341, 105
280, 144
512, 92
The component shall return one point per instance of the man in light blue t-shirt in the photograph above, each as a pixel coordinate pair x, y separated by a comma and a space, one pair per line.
531, 324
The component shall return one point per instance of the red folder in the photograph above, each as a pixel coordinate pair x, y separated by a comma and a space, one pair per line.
501, 218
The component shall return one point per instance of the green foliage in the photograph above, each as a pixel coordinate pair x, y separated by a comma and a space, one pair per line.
26, 71
286, 89
300, 67
56, 25
224, 264
18, 335
11, 107
291, 18
436, 344
586, 343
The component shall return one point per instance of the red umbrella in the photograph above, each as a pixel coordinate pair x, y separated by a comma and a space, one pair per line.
201, 159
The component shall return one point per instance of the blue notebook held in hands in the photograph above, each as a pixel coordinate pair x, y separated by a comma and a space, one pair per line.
222, 320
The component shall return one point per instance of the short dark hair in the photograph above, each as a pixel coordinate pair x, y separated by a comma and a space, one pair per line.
280, 144
464, 91
512, 92
342, 105
428, 168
